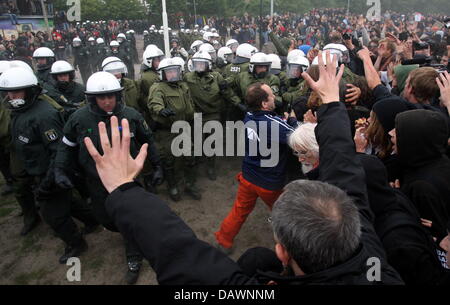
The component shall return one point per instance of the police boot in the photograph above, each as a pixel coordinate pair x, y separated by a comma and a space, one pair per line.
73, 250
211, 169
193, 191
174, 193
30, 215
134, 267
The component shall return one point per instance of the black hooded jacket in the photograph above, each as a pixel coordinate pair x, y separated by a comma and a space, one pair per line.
422, 137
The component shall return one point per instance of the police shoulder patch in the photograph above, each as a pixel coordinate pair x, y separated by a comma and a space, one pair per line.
51, 135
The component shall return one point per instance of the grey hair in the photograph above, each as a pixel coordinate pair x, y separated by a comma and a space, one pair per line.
305, 138
317, 223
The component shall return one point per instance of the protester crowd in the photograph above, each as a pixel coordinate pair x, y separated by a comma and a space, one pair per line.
358, 111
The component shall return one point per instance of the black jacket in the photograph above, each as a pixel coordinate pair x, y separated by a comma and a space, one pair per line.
179, 257
422, 137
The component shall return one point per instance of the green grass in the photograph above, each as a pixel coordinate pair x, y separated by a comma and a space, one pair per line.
5, 211
27, 278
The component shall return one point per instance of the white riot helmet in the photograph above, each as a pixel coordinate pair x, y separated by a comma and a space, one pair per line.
4, 65
76, 42
206, 47
180, 62
207, 36
43, 52
232, 44
46, 53
103, 83
244, 52
315, 62
296, 66
182, 30
131, 32
161, 32
187, 31
121, 37
213, 30
114, 66
275, 67
201, 62
145, 32
226, 54
100, 41
257, 60
151, 53
62, 67
295, 53
114, 43
20, 64
169, 70
340, 50
195, 45
91, 39
19, 78
206, 28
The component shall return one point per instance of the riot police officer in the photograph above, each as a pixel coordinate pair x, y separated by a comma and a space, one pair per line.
81, 59
295, 83
126, 53
36, 131
104, 99
68, 93
44, 59
116, 66
102, 52
93, 58
170, 101
209, 92
150, 59
258, 71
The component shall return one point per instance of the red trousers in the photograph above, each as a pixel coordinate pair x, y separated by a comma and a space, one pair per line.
242, 207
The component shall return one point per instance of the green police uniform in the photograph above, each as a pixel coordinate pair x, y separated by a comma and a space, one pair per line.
177, 97
70, 97
148, 78
5, 139
131, 94
246, 79
210, 92
36, 131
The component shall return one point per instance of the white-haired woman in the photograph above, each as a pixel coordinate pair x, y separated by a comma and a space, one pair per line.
304, 144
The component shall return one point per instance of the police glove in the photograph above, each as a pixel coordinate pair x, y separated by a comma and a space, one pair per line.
166, 112
158, 176
223, 85
242, 107
62, 180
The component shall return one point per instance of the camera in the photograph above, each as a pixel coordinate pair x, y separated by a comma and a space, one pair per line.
420, 46
403, 36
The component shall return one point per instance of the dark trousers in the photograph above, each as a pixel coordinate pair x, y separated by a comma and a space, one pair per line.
98, 196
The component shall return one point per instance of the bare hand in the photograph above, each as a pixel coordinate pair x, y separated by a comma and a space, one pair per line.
353, 94
396, 184
360, 140
327, 87
116, 166
364, 54
309, 117
443, 82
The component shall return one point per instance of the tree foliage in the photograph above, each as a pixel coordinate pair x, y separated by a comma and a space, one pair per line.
134, 9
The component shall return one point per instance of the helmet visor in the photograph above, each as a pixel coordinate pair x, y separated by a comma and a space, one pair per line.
295, 70
116, 67
172, 74
200, 65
